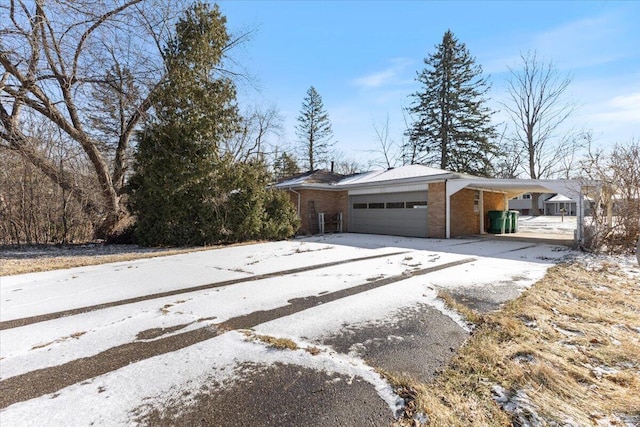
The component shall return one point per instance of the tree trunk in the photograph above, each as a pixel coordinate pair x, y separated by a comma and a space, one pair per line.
535, 203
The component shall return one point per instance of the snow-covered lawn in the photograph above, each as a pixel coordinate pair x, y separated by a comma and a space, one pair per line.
547, 224
110, 398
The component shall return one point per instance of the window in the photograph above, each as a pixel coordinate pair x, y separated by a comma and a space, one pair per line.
416, 205
359, 206
395, 205
376, 205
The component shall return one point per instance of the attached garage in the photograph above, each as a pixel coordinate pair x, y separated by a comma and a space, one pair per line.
413, 200
399, 214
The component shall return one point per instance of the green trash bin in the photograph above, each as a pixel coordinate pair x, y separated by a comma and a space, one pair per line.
497, 222
507, 222
514, 221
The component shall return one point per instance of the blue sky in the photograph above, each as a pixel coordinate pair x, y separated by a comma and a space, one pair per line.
362, 57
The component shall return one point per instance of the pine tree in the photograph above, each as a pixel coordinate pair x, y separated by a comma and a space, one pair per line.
314, 131
285, 166
453, 129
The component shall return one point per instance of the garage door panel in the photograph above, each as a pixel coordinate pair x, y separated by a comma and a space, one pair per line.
393, 221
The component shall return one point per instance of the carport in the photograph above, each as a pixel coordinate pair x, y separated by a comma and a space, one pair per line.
511, 188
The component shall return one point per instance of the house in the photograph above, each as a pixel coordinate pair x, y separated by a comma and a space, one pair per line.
549, 204
411, 200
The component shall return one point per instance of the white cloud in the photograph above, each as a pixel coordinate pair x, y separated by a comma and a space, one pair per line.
393, 75
621, 109
377, 79
586, 42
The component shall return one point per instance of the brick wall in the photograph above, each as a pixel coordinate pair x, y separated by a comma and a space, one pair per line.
436, 216
465, 220
492, 202
329, 202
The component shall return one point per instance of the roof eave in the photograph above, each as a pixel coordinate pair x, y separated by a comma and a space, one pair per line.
400, 181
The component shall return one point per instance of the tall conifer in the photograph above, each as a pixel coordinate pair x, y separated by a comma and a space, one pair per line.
452, 128
314, 131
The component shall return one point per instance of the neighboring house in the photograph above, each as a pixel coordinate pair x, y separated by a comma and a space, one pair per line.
410, 200
522, 203
549, 204
559, 205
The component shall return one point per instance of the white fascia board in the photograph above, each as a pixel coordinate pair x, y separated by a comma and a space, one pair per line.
395, 182
324, 187
388, 189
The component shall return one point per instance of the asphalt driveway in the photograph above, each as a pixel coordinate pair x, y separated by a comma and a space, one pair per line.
180, 340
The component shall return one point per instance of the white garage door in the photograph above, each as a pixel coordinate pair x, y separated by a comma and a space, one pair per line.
398, 214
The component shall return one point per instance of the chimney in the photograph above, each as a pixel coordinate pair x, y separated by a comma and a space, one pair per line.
332, 166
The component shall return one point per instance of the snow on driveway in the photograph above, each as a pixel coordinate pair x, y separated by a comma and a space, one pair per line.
50, 343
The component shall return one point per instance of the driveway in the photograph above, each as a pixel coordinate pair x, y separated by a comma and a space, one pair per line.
181, 340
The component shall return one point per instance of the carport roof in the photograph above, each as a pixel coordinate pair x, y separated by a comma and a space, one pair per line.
515, 187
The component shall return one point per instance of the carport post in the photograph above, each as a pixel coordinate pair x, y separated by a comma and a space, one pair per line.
447, 210
580, 225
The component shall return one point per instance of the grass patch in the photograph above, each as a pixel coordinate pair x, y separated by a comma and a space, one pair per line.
75, 335
566, 349
70, 257
468, 314
275, 342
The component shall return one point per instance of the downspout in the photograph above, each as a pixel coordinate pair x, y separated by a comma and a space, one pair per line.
295, 192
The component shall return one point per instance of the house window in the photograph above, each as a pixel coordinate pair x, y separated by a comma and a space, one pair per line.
376, 205
416, 205
359, 206
526, 196
395, 205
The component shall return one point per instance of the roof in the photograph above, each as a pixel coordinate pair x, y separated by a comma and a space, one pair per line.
418, 174
325, 179
559, 198
320, 176
408, 172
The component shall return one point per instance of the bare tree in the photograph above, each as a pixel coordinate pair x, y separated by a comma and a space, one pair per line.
537, 110
260, 124
613, 183
91, 69
508, 161
34, 209
389, 153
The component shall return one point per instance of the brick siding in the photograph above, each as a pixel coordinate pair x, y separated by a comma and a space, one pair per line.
329, 202
436, 215
465, 220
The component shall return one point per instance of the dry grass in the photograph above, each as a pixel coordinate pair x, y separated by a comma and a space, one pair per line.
69, 258
275, 342
278, 343
571, 344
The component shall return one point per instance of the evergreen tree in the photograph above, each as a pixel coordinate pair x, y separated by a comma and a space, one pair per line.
314, 131
175, 188
285, 166
184, 191
453, 129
